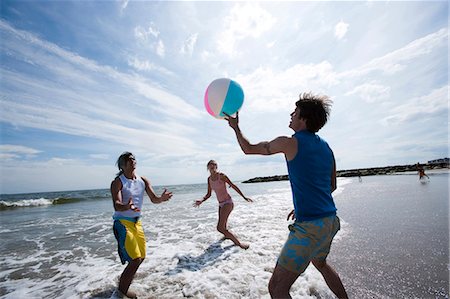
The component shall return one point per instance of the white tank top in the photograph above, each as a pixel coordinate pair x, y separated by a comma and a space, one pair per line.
135, 189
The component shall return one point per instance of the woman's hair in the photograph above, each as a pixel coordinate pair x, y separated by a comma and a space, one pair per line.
122, 160
315, 109
211, 162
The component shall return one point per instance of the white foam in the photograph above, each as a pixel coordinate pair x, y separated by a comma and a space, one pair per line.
26, 203
185, 256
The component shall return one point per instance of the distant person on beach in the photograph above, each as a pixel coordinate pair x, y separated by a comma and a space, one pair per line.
217, 181
421, 171
312, 175
127, 192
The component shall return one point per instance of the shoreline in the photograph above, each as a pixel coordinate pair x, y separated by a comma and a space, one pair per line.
387, 170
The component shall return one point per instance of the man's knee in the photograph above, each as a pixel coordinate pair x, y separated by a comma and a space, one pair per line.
137, 261
278, 289
281, 281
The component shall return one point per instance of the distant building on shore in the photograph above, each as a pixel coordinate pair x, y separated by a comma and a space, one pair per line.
439, 161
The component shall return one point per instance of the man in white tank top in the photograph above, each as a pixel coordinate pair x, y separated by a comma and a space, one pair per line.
127, 192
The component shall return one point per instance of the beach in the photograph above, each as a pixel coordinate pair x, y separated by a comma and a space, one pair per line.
393, 242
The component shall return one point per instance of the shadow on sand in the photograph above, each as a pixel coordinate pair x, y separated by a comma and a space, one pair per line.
207, 258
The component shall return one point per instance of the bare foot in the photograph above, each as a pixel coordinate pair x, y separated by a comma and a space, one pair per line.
244, 246
129, 294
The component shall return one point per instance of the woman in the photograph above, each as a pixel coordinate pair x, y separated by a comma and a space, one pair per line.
217, 181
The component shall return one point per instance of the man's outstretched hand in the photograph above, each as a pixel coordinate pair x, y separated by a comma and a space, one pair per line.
232, 121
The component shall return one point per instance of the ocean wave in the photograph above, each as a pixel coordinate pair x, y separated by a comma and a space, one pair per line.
25, 203
63, 200
39, 202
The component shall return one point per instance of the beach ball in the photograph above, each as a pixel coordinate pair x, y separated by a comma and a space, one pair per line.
223, 95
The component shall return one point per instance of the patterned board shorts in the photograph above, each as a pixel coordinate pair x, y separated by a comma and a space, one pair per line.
308, 240
130, 239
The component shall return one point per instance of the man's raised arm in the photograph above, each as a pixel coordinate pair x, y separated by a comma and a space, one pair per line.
278, 145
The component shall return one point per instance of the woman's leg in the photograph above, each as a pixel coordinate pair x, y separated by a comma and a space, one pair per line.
224, 213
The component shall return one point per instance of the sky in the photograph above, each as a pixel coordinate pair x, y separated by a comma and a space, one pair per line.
83, 81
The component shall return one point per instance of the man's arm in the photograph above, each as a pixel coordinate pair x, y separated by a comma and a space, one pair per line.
282, 144
333, 176
116, 187
165, 196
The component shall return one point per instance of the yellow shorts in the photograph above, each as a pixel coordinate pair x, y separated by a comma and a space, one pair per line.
130, 239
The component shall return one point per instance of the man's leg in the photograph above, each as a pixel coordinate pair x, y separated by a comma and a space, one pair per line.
331, 278
127, 277
281, 281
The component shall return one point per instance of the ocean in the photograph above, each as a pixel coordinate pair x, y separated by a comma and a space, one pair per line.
393, 242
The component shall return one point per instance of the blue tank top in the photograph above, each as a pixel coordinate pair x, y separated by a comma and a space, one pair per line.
310, 177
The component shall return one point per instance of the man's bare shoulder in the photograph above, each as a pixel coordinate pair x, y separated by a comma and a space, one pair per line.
116, 183
285, 139
146, 181
289, 145
284, 142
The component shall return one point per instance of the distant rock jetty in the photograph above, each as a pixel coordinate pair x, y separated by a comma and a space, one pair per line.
360, 172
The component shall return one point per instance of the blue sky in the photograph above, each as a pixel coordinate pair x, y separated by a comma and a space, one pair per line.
83, 81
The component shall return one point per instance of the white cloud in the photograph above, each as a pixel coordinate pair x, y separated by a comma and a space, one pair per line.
148, 66
271, 44
189, 44
142, 34
160, 48
67, 122
423, 107
19, 149
397, 60
245, 20
60, 174
371, 92
55, 161
11, 151
154, 112
99, 156
77, 96
340, 30
150, 37
270, 90
123, 5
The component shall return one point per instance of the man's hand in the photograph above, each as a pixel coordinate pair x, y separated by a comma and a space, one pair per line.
232, 121
165, 196
131, 205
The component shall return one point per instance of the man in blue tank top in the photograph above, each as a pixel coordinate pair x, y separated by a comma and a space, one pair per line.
312, 174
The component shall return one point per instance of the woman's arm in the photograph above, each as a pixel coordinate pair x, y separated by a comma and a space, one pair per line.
198, 202
236, 188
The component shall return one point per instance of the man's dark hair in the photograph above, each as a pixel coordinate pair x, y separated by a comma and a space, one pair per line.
315, 109
122, 161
